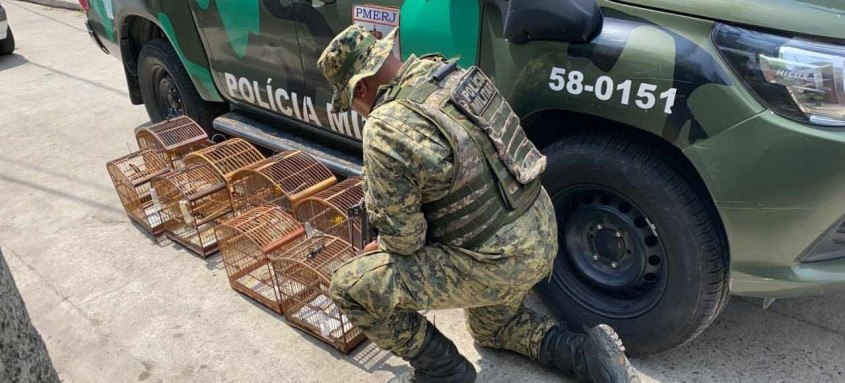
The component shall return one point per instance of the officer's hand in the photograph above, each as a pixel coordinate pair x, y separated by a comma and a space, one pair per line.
372, 246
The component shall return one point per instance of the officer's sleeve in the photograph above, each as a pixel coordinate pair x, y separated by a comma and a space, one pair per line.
391, 183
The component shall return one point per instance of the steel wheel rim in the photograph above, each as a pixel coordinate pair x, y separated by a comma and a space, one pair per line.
611, 259
168, 100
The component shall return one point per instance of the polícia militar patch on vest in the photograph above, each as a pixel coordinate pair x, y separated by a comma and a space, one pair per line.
474, 93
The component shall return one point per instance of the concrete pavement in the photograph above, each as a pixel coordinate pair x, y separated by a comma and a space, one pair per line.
115, 306
63, 4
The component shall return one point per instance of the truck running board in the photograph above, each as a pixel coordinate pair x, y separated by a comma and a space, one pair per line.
270, 137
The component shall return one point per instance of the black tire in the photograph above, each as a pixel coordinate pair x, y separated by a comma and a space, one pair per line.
651, 220
167, 89
7, 45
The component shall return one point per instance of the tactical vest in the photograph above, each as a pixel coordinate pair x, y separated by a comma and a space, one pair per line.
497, 169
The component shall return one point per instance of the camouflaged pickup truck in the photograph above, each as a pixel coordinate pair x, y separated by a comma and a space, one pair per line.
696, 148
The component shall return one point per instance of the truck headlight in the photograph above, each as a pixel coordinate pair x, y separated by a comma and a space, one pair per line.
798, 78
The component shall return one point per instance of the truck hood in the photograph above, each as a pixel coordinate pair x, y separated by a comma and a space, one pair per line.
824, 18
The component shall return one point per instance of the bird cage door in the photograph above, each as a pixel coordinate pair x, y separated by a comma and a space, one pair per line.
194, 200
244, 242
131, 176
303, 269
338, 211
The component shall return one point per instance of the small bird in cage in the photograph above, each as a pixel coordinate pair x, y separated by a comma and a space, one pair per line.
317, 246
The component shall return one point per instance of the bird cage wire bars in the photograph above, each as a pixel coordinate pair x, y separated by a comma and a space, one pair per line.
303, 271
226, 157
131, 176
244, 243
281, 180
175, 138
193, 201
329, 211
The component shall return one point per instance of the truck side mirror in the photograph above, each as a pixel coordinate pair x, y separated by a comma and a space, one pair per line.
561, 20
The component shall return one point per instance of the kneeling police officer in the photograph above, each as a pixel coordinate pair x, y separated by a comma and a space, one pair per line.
452, 184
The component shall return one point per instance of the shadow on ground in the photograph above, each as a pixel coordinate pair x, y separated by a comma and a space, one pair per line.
11, 61
796, 340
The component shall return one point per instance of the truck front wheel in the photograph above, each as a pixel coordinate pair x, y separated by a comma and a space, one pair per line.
166, 87
639, 248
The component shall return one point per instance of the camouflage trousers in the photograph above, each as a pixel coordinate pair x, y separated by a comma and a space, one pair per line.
381, 293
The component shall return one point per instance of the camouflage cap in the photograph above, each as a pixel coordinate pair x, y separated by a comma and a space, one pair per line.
353, 55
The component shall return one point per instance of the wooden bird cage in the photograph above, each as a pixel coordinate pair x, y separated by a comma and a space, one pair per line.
281, 180
245, 242
338, 211
226, 157
175, 138
131, 176
303, 269
193, 201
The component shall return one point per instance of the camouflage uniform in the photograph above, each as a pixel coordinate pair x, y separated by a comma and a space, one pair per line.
408, 163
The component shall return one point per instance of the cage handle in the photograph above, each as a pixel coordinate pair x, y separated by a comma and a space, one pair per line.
146, 179
215, 188
295, 197
305, 264
275, 245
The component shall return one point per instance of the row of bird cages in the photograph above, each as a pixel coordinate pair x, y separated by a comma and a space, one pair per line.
174, 138
193, 201
338, 211
131, 176
291, 180
283, 224
303, 270
246, 241
196, 198
281, 180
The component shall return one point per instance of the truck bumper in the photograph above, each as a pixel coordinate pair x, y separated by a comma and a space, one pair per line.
779, 187
797, 280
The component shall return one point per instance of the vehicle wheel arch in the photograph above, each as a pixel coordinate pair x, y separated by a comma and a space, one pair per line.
135, 31
546, 127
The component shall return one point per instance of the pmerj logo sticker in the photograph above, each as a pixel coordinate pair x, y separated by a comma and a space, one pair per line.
379, 20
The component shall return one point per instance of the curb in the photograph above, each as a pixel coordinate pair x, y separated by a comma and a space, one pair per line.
55, 4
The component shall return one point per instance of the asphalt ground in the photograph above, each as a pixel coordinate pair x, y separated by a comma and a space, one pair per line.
113, 305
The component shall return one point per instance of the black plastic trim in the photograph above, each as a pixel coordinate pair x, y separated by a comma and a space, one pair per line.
828, 246
95, 37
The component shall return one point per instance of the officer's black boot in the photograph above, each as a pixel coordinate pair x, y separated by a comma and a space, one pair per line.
438, 361
597, 356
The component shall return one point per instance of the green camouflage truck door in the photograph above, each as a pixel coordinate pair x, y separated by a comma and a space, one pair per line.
319, 23
263, 53
254, 54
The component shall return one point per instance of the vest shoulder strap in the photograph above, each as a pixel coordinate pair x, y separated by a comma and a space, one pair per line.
420, 93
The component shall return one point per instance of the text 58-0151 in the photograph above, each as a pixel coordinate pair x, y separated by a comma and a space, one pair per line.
604, 88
